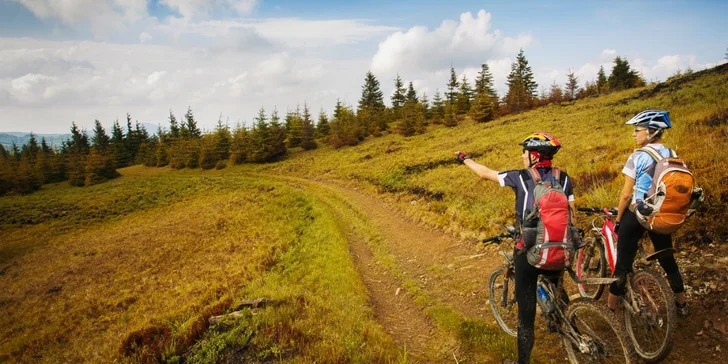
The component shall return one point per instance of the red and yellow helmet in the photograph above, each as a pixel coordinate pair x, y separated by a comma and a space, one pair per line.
546, 145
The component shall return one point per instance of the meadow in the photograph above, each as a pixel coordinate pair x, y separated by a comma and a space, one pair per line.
131, 270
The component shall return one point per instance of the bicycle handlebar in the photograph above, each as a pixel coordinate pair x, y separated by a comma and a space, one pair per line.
496, 238
596, 210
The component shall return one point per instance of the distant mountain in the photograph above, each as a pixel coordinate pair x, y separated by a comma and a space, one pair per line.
54, 140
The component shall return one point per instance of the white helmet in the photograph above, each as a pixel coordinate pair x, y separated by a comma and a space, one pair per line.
654, 119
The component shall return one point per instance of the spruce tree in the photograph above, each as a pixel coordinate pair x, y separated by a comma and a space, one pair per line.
622, 76
322, 126
484, 82
406, 127
277, 137
602, 82
572, 85
173, 126
450, 119
464, 97
222, 140
307, 130
191, 124
118, 146
294, 128
100, 140
452, 87
556, 94
438, 108
240, 144
522, 89
371, 94
399, 96
259, 138
482, 109
425, 102
411, 93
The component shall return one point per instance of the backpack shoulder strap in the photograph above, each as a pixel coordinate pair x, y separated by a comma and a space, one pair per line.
652, 152
556, 173
534, 175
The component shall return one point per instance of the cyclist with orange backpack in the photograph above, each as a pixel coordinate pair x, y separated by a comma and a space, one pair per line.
649, 127
544, 196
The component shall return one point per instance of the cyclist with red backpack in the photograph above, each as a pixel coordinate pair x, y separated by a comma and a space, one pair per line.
637, 211
544, 204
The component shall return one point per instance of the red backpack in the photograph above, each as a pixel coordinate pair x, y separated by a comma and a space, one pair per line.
547, 231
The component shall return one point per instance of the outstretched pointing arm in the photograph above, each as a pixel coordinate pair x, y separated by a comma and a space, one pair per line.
481, 170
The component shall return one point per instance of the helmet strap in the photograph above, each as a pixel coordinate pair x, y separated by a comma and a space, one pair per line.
652, 136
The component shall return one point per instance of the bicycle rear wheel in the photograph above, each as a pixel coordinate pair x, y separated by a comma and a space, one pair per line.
591, 263
651, 329
601, 336
502, 298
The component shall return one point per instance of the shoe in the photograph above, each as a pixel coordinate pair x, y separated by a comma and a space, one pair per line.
682, 310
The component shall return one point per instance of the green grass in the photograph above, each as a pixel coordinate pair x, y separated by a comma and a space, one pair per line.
137, 278
131, 269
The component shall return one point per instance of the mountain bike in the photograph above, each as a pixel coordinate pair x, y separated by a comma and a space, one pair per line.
589, 332
649, 312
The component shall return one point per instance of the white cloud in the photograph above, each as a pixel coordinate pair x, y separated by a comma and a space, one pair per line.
144, 37
466, 43
201, 8
101, 15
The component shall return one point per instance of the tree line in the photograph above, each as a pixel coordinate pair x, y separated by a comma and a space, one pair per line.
85, 161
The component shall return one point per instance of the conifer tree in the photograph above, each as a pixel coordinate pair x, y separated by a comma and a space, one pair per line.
322, 126
484, 82
572, 85
521, 85
294, 128
406, 126
208, 153
556, 94
6, 182
372, 96
622, 76
259, 138
222, 140
482, 110
450, 118
191, 124
399, 96
240, 144
307, 130
464, 96
425, 102
100, 140
173, 126
118, 147
452, 87
277, 137
438, 108
602, 82
411, 93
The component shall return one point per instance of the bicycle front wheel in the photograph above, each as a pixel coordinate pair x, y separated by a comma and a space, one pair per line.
600, 336
502, 298
591, 263
652, 328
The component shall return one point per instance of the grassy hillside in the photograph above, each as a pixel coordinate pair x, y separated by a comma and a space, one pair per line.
130, 270
420, 173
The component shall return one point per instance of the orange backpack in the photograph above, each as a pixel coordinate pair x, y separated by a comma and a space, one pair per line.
668, 200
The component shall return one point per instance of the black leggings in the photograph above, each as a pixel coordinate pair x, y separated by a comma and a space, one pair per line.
526, 283
630, 232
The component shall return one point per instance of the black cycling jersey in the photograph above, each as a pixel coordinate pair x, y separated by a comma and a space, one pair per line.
521, 183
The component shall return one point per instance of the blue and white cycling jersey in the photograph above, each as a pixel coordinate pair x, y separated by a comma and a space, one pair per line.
641, 167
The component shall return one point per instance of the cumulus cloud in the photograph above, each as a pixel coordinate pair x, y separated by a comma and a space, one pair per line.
461, 44
101, 15
197, 8
147, 80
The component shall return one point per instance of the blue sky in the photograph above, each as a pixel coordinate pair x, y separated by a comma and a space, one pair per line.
81, 60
